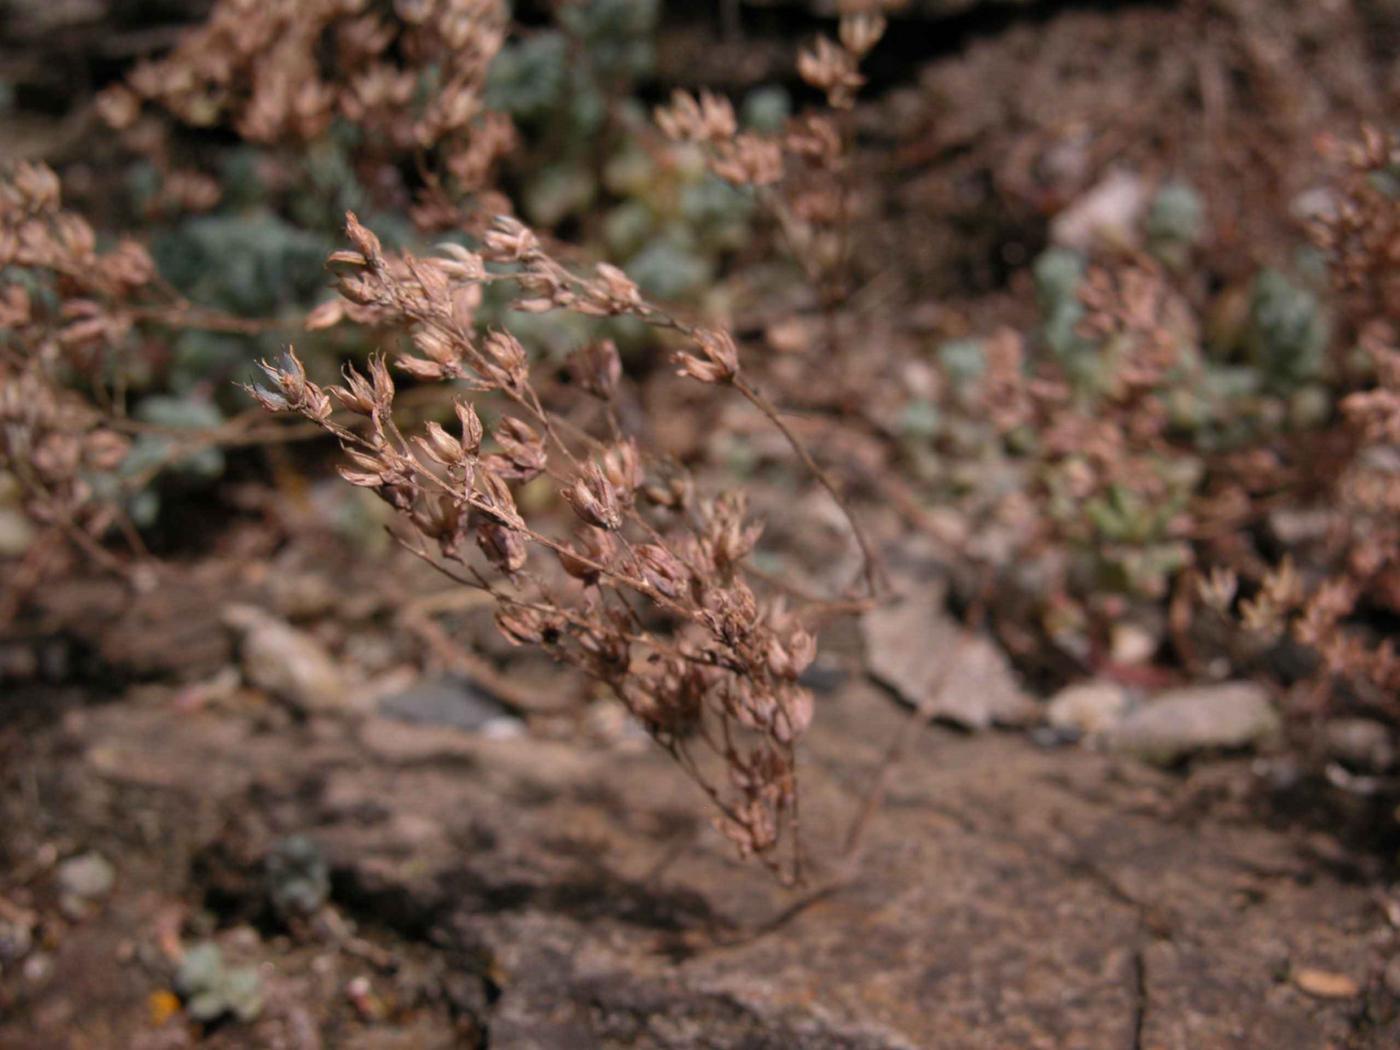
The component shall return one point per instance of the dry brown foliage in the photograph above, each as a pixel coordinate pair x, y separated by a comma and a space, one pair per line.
650, 595
281, 71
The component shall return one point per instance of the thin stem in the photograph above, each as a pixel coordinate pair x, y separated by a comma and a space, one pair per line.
870, 568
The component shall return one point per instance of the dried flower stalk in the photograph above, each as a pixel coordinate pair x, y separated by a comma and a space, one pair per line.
705, 665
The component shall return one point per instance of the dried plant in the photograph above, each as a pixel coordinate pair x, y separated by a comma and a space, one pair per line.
1091, 426
70, 317
801, 175
1362, 233
1362, 238
1322, 603
409, 78
704, 664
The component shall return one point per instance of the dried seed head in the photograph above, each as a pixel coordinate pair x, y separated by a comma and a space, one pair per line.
661, 569
749, 160
594, 498
471, 427
597, 368
788, 657
36, 186
522, 450
710, 118
493, 498
365, 396
510, 240
1217, 590
327, 315
295, 393
461, 264
523, 626
364, 240
507, 363
728, 538
795, 710
716, 362
440, 446
832, 69
503, 547
613, 292
622, 466
861, 32
118, 106
599, 551
105, 449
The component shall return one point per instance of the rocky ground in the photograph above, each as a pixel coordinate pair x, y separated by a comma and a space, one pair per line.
493, 888
231, 816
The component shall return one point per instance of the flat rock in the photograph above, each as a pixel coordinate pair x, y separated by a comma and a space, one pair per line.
394, 741
449, 700
1088, 708
88, 876
1007, 896
1182, 722
286, 662
916, 649
1360, 743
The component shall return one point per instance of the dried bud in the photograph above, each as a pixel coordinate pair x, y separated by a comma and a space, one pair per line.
728, 540
471, 427
118, 106
523, 453
593, 498
296, 392
440, 518
105, 449
717, 361
861, 32
371, 472
673, 492
1217, 590
461, 264
795, 710
622, 466
57, 456
1283, 586
788, 658
815, 137
709, 118
440, 446
503, 547
523, 626
365, 396
420, 369
510, 240
749, 160
129, 264
661, 569
327, 315
598, 550
507, 363
612, 293
833, 69
37, 187
493, 498
597, 368
364, 240
437, 347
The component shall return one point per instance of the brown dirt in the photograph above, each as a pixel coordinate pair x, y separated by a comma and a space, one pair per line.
531, 893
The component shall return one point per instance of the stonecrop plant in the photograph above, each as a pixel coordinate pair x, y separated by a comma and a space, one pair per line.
405, 80
650, 594
73, 317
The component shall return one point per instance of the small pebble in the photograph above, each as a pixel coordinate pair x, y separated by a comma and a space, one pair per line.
1324, 984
